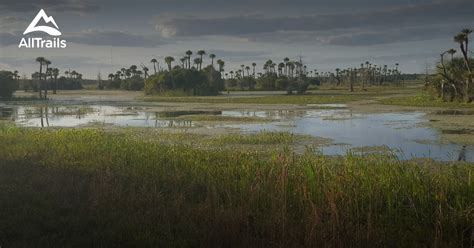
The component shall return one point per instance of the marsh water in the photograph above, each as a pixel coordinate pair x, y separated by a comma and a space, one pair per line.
403, 134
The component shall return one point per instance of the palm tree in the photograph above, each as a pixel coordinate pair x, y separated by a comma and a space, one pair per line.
286, 60
169, 60
197, 62
243, 68
451, 52
46, 85
15, 75
280, 68
183, 61
41, 61
154, 61
221, 64
145, 70
337, 76
247, 68
189, 53
463, 40
133, 70
254, 65
212, 56
55, 76
201, 53
467, 32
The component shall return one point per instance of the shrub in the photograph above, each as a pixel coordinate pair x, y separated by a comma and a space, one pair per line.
8, 85
190, 82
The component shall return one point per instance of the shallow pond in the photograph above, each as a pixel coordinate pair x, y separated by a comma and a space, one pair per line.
402, 133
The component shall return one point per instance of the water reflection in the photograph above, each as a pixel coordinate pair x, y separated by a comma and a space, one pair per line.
6, 112
403, 133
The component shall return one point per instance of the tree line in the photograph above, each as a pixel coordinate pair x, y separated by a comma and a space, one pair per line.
189, 75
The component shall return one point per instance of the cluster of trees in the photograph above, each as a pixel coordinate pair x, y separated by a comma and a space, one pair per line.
366, 74
453, 78
286, 75
185, 81
126, 79
8, 83
48, 78
189, 77
294, 75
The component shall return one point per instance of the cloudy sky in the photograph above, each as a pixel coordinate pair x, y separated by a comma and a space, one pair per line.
108, 35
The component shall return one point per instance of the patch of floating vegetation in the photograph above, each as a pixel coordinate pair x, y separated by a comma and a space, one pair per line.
221, 118
457, 131
454, 112
184, 113
372, 150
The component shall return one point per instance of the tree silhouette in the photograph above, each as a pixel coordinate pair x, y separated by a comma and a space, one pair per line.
201, 53
212, 56
188, 54
154, 61
41, 61
168, 61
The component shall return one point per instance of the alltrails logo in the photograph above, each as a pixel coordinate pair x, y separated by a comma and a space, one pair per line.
41, 42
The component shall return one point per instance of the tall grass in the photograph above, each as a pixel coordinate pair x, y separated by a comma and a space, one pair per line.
424, 100
93, 188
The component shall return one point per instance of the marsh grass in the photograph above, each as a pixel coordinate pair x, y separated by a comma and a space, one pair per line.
271, 99
22, 99
220, 118
424, 100
88, 187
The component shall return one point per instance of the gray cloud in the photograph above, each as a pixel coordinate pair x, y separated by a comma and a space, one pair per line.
239, 54
114, 38
393, 35
360, 28
7, 39
80, 6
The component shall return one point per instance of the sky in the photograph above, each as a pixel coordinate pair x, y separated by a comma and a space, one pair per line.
104, 36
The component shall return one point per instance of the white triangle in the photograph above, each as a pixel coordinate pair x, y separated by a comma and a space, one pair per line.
47, 19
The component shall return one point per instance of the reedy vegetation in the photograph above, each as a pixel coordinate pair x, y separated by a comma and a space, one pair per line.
91, 187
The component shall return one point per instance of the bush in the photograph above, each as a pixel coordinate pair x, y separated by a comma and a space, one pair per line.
188, 82
267, 82
8, 85
450, 84
69, 83
135, 83
281, 84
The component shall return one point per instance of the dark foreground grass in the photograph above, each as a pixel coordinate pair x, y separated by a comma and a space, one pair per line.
84, 188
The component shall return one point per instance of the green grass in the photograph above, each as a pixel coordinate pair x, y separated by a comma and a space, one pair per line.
22, 99
88, 187
272, 99
424, 100
218, 118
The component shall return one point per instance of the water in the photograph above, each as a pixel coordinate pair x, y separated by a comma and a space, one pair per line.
76, 116
403, 133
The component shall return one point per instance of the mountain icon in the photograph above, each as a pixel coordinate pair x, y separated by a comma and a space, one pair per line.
47, 19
